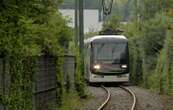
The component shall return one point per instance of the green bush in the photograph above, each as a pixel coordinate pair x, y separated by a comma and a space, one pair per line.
162, 79
79, 76
28, 29
150, 42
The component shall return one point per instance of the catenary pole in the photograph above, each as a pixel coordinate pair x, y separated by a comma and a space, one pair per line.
76, 22
81, 33
81, 26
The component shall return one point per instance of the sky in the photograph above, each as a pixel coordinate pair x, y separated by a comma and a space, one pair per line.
91, 19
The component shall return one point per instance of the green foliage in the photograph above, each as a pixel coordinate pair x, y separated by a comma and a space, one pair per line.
135, 60
151, 7
79, 78
132, 31
150, 41
161, 79
20, 92
71, 102
90, 34
113, 22
153, 35
27, 29
60, 82
154, 31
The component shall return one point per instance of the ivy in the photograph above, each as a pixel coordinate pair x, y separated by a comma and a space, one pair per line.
21, 70
79, 79
60, 81
28, 29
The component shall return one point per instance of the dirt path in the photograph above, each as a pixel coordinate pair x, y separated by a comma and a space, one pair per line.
120, 100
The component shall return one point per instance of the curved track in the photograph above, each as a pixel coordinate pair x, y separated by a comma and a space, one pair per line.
132, 94
109, 96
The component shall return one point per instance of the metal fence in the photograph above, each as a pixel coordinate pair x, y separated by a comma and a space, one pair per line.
45, 84
4, 79
69, 69
44, 91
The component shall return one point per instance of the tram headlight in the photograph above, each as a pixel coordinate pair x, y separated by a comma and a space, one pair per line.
96, 67
124, 66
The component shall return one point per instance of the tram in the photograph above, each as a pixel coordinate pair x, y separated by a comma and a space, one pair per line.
106, 58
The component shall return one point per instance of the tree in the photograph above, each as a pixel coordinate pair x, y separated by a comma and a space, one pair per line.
28, 29
150, 44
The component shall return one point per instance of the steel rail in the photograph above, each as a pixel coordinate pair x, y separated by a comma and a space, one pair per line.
132, 94
107, 99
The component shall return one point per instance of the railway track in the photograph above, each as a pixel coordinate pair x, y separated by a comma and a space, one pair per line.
108, 96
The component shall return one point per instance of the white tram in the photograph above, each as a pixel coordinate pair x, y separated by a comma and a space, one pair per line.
106, 59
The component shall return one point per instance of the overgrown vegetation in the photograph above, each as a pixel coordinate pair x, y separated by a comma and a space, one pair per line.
72, 102
79, 78
150, 39
28, 29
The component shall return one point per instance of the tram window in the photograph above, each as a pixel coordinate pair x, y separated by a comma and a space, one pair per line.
110, 51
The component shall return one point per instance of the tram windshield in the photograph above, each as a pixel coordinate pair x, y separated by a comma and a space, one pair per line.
114, 53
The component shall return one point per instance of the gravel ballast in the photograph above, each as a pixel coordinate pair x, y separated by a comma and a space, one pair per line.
121, 100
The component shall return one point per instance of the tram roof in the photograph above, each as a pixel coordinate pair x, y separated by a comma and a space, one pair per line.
105, 37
